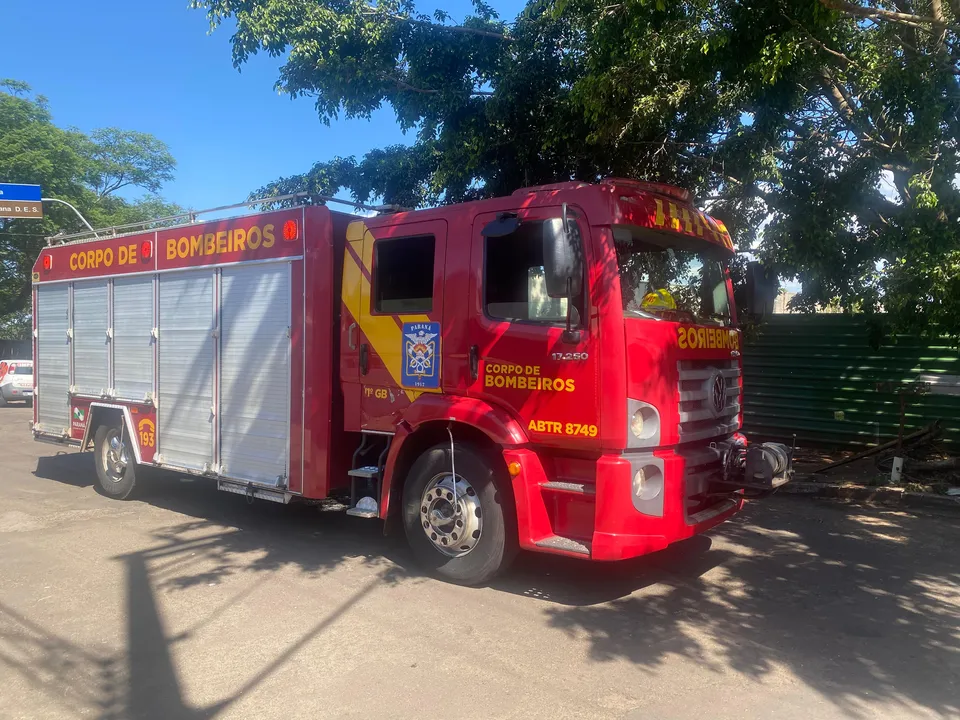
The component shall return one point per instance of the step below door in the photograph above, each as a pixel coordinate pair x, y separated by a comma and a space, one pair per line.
255, 373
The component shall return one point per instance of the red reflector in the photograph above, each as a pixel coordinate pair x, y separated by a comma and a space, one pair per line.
47, 262
146, 249
290, 230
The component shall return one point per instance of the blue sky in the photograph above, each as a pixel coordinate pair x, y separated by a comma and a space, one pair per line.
150, 65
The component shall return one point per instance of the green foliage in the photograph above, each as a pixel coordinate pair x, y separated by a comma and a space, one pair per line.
84, 170
785, 117
121, 158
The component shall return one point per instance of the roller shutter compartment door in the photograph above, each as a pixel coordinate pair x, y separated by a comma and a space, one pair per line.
185, 421
53, 358
255, 372
132, 337
91, 346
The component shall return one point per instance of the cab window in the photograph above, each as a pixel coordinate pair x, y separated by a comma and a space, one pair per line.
514, 286
403, 275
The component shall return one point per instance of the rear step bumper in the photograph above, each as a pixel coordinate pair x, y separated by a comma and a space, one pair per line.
60, 440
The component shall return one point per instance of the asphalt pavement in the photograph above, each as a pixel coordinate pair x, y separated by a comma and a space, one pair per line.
191, 603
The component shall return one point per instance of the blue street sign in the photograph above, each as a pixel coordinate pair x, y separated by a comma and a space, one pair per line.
14, 191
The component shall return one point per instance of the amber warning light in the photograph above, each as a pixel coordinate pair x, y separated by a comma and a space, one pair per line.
47, 263
290, 230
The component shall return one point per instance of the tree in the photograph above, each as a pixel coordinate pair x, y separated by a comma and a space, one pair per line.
786, 117
84, 170
121, 158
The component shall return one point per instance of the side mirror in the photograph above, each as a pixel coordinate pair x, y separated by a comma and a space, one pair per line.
763, 284
562, 258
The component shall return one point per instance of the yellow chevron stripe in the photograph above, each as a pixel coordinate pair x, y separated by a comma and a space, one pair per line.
381, 331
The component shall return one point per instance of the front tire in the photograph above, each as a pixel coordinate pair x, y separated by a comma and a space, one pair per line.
462, 529
113, 457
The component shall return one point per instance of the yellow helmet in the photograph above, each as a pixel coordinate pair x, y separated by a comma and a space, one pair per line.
660, 299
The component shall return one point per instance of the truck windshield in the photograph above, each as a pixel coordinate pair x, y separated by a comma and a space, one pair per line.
666, 279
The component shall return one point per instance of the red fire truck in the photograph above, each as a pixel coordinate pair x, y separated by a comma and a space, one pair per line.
558, 370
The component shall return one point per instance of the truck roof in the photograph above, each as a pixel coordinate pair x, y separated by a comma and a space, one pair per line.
654, 206
613, 201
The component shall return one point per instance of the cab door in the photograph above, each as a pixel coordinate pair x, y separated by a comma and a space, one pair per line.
521, 360
393, 293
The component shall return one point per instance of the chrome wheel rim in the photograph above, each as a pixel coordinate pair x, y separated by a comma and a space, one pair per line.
450, 515
115, 458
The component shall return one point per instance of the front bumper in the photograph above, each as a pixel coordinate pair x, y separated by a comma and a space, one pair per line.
622, 531
610, 527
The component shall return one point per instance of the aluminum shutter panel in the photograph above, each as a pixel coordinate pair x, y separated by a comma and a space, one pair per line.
53, 358
132, 338
185, 373
255, 372
91, 346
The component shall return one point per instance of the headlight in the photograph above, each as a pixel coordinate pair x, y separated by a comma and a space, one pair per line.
644, 424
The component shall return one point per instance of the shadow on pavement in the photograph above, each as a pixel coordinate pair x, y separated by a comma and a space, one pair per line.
69, 468
859, 604
153, 689
60, 670
225, 536
572, 582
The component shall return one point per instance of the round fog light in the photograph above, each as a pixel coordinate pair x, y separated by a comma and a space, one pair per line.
647, 482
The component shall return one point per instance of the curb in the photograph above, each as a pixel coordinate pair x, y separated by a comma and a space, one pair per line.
879, 494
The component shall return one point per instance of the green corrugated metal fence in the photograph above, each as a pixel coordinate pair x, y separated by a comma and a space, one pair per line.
816, 376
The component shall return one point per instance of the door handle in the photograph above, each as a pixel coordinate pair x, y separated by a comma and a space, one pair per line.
351, 338
364, 358
474, 361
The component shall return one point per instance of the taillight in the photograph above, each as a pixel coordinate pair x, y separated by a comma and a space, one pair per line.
290, 230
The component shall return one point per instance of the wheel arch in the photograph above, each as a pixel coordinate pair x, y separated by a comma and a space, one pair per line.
485, 427
101, 414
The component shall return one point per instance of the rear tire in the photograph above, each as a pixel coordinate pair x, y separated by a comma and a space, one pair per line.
465, 532
113, 457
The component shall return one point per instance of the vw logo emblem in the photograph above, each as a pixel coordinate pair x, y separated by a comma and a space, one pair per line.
718, 393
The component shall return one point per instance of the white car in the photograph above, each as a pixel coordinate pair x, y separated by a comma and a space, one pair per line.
16, 381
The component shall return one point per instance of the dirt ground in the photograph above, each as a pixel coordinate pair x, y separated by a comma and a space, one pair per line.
875, 470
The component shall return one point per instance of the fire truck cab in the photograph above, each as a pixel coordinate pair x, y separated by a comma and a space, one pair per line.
558, 370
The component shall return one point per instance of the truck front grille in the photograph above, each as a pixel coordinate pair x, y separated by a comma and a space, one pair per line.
709, 398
